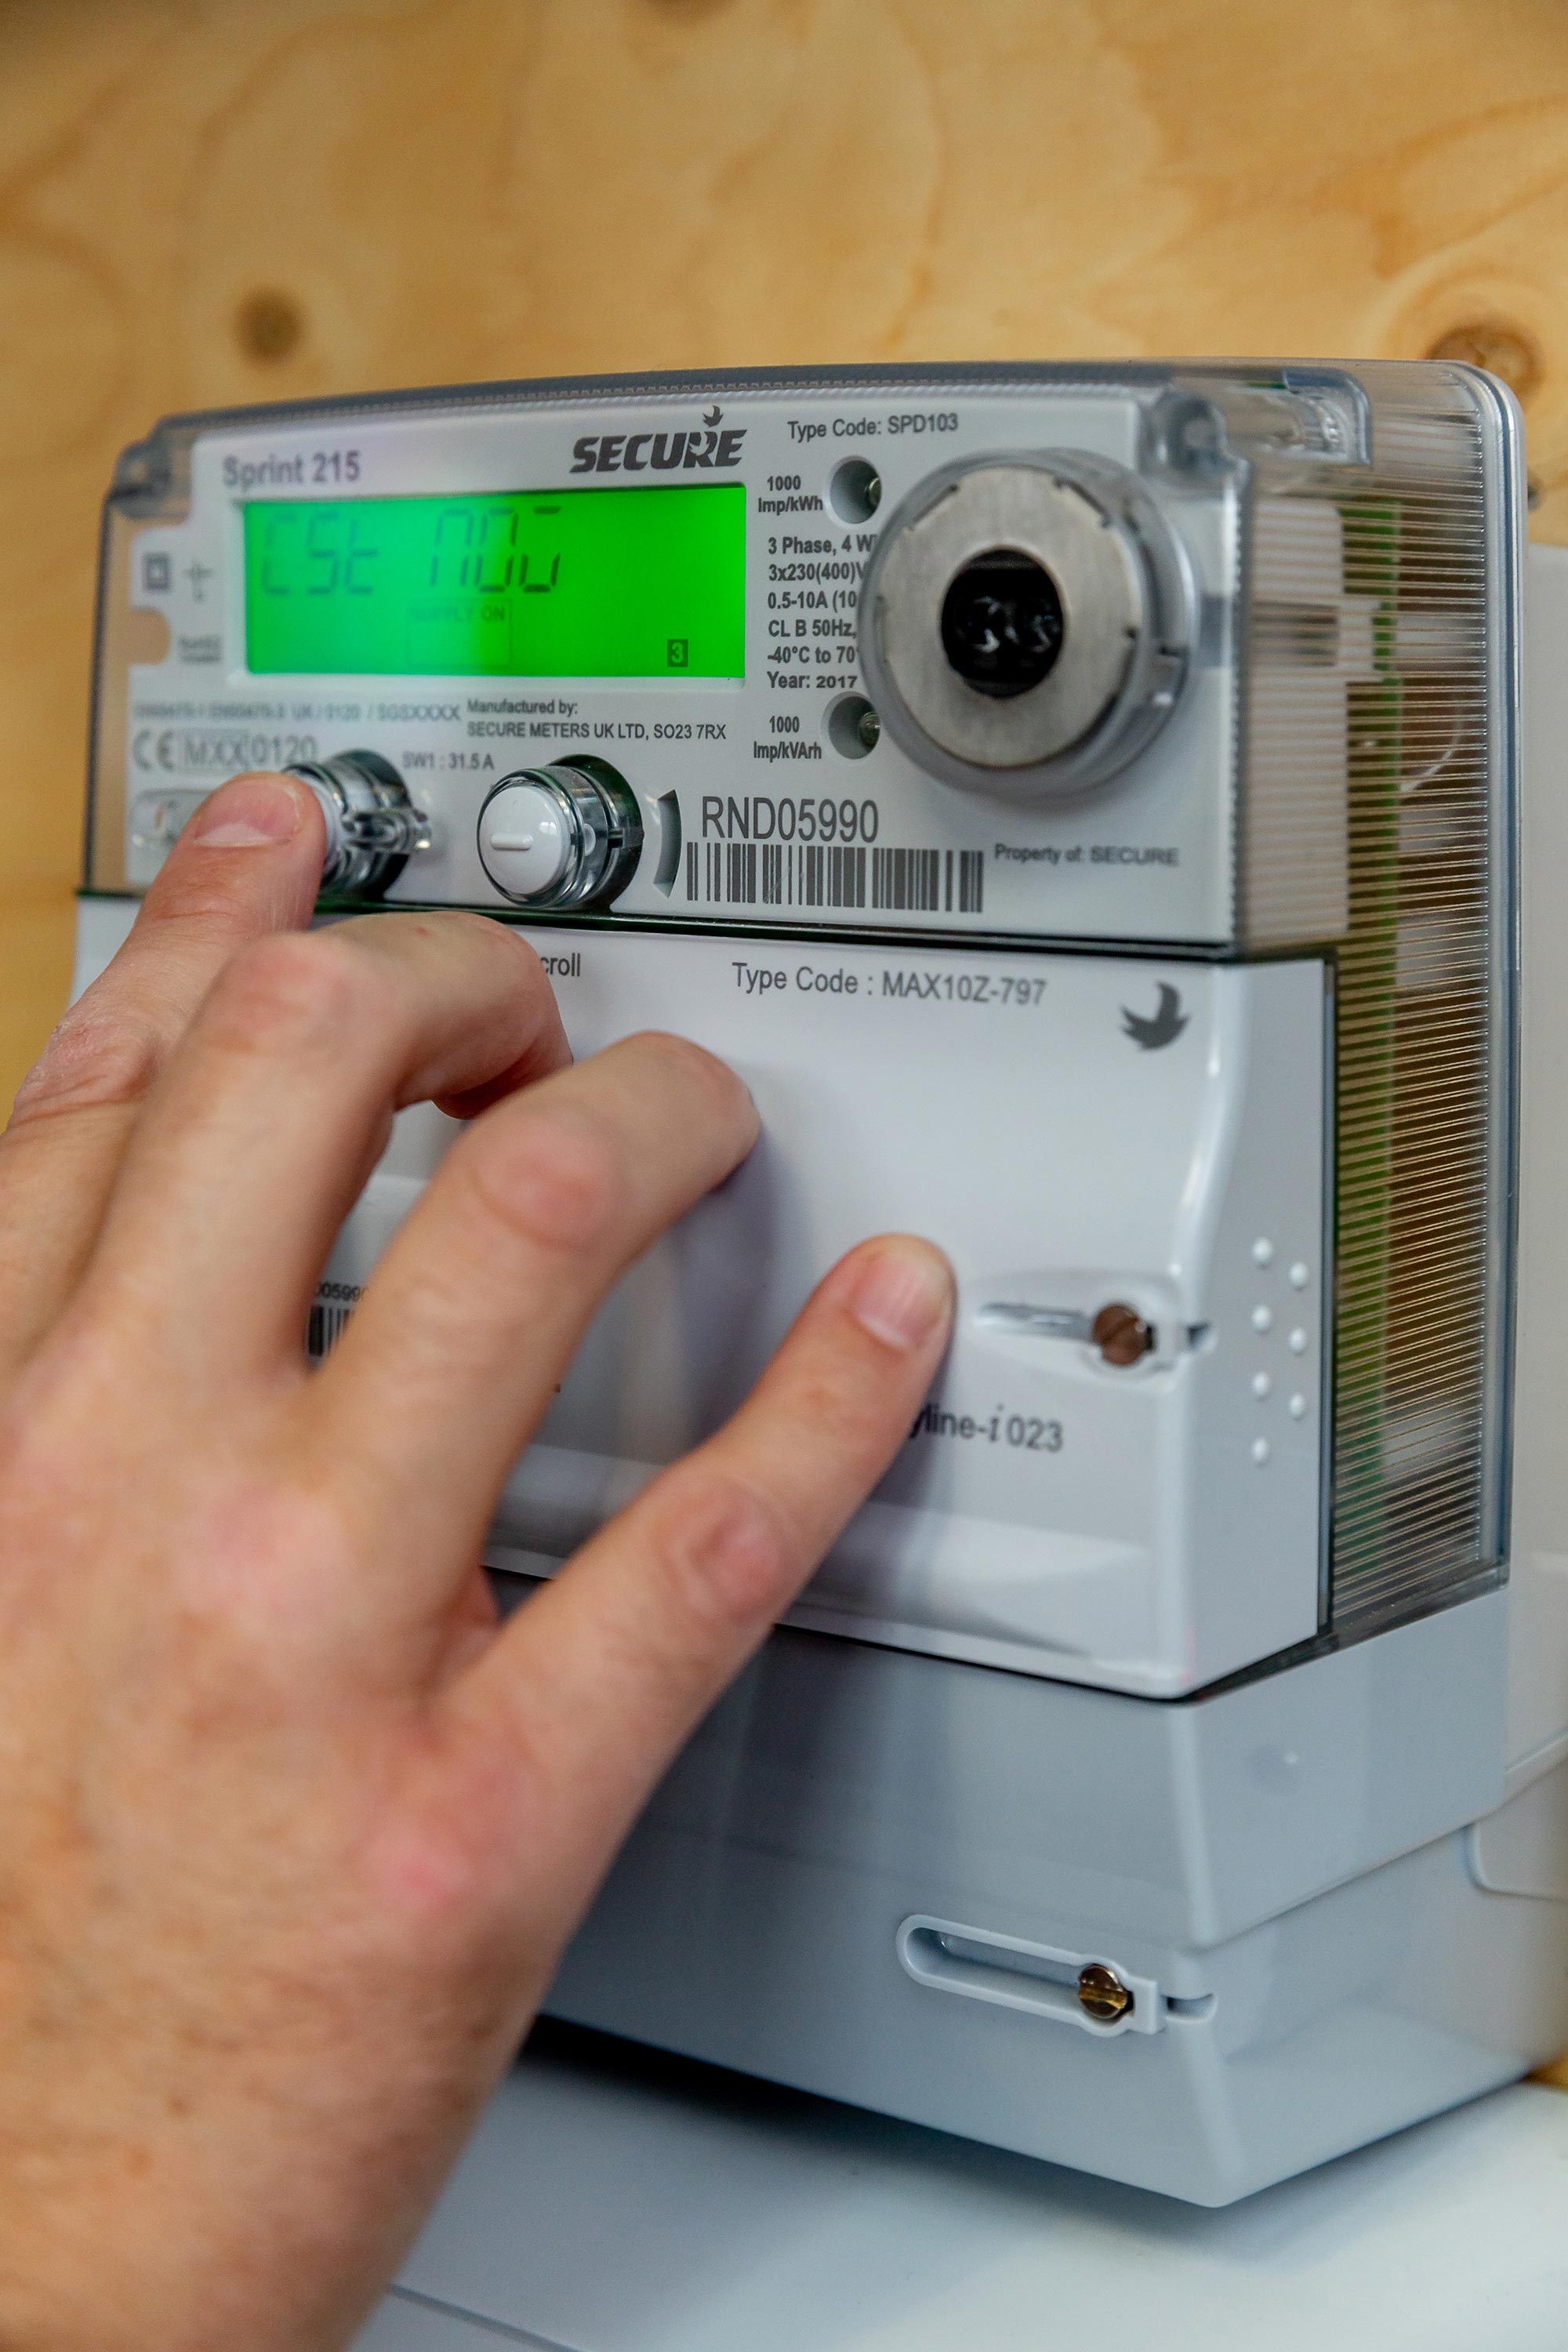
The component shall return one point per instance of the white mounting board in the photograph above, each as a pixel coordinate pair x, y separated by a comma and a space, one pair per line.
649, 2207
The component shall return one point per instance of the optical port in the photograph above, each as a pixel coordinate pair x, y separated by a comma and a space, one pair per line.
1001, 623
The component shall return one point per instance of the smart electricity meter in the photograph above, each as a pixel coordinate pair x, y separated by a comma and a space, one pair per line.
1080, 802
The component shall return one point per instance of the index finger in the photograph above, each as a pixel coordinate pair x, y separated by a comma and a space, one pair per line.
247, 864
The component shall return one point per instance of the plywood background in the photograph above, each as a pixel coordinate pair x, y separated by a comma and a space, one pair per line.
229, 200
206, 201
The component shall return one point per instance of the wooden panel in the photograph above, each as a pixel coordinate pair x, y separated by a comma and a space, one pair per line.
228, 200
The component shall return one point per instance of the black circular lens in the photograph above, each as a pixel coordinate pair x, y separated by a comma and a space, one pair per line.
1002, 622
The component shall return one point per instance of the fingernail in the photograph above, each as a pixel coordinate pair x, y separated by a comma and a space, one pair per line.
903, 1294
251, 813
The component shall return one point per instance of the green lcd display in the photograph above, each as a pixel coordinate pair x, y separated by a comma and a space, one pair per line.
513, 583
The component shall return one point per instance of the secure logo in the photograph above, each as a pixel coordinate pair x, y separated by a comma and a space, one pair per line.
1161, 1027
713, 445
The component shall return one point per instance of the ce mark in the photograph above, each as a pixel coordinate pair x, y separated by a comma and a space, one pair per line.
153, 749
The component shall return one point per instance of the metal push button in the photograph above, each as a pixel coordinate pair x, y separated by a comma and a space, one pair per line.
373, 825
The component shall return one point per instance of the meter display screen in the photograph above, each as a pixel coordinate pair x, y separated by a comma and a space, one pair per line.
510, 583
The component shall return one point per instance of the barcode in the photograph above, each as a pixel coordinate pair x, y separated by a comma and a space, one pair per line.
921, 881
830, 874
324, 1329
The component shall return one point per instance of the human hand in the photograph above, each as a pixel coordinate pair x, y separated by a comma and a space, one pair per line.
293, 1833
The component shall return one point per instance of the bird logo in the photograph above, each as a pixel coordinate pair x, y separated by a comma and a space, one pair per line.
713, 415
1161, 1027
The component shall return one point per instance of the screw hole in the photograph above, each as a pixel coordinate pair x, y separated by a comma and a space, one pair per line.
1499, 347
854, 491
853, 727
269, 326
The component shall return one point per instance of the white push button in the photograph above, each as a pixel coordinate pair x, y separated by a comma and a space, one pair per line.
568, 835
527, 840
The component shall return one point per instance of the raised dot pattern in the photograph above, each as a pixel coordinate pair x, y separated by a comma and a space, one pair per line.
1299, 1277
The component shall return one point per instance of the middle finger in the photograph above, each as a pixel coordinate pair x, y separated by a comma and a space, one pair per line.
476, 1309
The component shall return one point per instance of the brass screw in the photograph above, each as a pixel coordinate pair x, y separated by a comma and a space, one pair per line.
1121, 1334
1102, 1993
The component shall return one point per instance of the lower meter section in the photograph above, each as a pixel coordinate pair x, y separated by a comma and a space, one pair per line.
1118, 1478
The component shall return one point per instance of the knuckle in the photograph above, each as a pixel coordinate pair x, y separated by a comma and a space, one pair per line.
721, 1552
698, 1079
93, 1061
688, 1064
528, 973
284, 993
834, 1398
391, 933
522, 951
550, 1175
502, 940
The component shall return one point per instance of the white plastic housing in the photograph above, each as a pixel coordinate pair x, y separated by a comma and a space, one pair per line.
1147, 1528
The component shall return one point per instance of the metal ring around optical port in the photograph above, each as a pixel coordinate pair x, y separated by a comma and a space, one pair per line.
1127, 607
